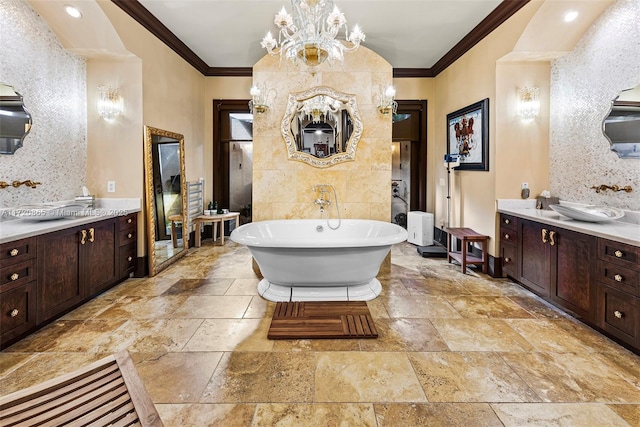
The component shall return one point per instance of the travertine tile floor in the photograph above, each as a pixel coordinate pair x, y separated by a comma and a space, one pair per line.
454, 349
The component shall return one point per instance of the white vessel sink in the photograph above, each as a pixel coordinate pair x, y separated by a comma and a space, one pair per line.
589, 213
48, 211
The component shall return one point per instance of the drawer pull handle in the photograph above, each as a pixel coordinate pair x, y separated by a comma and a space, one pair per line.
14, 252
552, 235
507, 221
92, 235
15, 312
83, 238
507, 260
618, 254
129, 221
618, 314
506, 236
129, 258
618, 278
15, 276
129, 236
544, 235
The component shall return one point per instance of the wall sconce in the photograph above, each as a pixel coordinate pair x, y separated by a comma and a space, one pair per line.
109, 103
386, 100
528, 102
260, 98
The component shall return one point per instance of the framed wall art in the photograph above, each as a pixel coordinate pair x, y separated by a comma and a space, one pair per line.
468, 136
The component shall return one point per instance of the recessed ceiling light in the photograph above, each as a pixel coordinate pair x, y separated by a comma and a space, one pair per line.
570, 16
73, 11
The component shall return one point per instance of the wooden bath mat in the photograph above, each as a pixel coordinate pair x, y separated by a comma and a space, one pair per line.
323, 319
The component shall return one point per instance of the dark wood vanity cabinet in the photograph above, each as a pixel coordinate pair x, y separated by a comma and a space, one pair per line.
127, 244
44, 276
595, 279
618, 290
75, 264
17, 288
558, 264
534, 256
509, 245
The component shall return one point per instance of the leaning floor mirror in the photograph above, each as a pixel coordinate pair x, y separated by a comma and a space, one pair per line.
165, 198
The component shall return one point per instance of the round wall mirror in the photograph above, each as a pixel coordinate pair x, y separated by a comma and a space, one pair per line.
15, 120
622, 125
321, 126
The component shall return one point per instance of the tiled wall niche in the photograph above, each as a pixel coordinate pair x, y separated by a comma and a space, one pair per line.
282, 187
583, 84
53, 84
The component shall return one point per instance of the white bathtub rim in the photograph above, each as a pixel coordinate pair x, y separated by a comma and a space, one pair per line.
337, 240
279, 293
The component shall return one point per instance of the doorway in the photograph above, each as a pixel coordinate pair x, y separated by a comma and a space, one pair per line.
409, 160
233, 156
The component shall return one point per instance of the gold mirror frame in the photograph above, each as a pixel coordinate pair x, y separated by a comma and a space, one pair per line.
156, 265
294, 105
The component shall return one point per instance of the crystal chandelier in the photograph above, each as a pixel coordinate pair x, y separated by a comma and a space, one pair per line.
310, 34
318, 106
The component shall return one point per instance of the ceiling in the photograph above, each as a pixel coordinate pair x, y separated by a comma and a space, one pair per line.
419, 38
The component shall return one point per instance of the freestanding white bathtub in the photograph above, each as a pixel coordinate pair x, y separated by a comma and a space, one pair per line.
306, 260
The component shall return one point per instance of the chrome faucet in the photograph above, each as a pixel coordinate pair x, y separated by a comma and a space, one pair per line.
322, 201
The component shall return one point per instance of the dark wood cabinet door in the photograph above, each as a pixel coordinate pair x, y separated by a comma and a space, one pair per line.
59, 285
573, 272
535, 261
99, 256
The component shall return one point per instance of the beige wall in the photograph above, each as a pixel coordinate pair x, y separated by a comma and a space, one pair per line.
165, 92
523, 151
282, 187
470, 79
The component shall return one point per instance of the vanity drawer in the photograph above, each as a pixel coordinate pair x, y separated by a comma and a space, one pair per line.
508, 222
619, 253
18, 311
508, 236
127, 259
128, 236
128, 222
618, 277
619, 314
509, 256
17, 274
17, 251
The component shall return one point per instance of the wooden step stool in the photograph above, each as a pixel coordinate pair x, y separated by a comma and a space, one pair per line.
466, 236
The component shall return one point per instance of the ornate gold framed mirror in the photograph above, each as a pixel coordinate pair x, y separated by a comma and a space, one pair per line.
321, 126
165, 198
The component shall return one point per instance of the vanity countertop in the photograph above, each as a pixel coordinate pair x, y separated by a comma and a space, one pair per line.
626, 230
14, 229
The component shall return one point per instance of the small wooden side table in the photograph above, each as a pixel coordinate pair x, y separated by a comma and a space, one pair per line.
467, 235
174, 231
215, 219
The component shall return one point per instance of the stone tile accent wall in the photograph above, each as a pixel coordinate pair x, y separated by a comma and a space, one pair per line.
282, 187
53, 84
583, 84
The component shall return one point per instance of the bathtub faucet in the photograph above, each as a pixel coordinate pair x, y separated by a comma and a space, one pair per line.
322, 201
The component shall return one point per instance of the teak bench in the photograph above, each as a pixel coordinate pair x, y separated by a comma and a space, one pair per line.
108, 392
467, 235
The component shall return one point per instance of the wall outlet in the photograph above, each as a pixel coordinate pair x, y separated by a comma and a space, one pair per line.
111, 186
442, 184
525, 185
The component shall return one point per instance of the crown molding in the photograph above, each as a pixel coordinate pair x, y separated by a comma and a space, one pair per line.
500, 14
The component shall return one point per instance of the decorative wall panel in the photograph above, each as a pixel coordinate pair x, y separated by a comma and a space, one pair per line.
53, 84
583, 83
